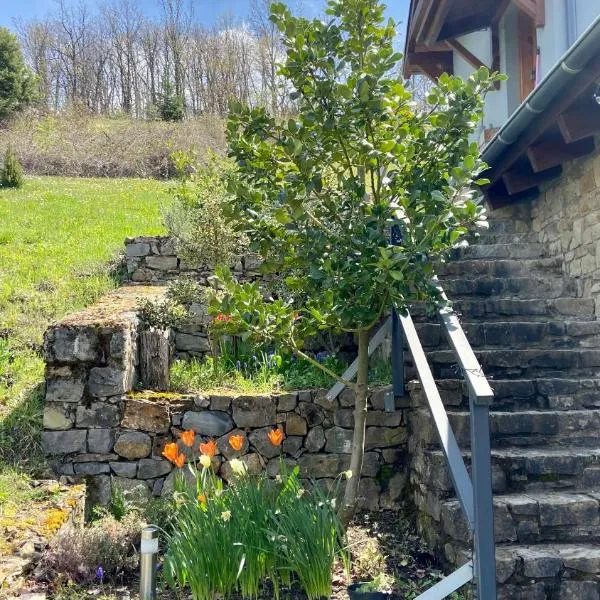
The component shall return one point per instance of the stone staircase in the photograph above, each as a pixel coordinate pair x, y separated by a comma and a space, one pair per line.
538, 342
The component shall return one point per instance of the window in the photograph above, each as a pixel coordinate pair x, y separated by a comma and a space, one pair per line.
528, 53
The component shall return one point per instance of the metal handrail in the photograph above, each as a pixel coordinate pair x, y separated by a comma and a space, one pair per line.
475, 495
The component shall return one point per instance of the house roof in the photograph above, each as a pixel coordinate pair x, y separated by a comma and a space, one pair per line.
434, 25
556, 123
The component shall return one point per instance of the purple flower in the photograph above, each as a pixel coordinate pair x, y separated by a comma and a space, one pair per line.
100, 574
238, 365
321, 356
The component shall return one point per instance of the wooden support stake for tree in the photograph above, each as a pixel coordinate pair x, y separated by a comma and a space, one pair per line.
154, 359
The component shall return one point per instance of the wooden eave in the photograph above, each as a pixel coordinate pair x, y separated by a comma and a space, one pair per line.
434, 25
565, 130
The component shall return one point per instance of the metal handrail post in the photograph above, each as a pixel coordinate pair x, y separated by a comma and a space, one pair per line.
397, 355
398, 379
484, 558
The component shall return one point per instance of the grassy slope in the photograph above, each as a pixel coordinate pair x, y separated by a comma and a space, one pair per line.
57, 236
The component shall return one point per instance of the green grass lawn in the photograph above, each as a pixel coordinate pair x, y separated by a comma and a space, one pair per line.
60, 239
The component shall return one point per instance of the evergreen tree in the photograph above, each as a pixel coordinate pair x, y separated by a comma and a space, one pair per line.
12, 172
17, 82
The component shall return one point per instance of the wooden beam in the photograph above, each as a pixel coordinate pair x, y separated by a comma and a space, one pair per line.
466, 54
527, 6
496, 51
441, 47
498, 196
580, 84
553, 152
468, 24
580, 121
432, 64
540, 16
536, 9
431, 35
500, 10
523, 178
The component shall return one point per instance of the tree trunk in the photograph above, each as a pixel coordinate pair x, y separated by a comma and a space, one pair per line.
154, 359
360, 420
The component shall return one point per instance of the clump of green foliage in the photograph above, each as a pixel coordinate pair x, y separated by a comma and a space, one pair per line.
255, 530
185, 291
320, 194
11, 175
162, 314
196, 216
17, 82
264, 371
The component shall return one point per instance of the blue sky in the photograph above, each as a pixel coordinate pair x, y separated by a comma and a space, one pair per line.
207, 11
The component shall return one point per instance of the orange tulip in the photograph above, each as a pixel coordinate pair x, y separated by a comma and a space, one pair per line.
188, 437
276, 436
236, 442
171, 452
209, 448
180, 460
202, 498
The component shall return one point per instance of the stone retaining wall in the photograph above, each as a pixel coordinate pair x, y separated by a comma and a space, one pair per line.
96, 427
153, 259
567, 218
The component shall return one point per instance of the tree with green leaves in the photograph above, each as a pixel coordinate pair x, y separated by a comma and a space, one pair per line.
17, 82
318, 195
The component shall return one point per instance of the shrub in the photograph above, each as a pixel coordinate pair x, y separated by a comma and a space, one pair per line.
107, 543
12, 172
196, 217
185, 290
161, 314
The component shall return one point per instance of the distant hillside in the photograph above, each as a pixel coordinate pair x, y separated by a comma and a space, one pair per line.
77, 144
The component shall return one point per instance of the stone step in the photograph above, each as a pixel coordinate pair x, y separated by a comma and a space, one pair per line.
473, 269
534, 287
557, 571
486, 249
514, 334
519, 394
533, 517
501, 309
518, 428
524, 469
521, 363
497, 225
490, 238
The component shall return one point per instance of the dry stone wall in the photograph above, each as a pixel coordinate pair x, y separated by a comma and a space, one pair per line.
154, 260
567, 217
96, 427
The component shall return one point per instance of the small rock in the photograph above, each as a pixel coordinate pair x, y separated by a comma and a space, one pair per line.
295, 425
64, 442
98, 414
57, 418
150, 469
134, 444
287, 402
101, 440
254, 411
315, 440
145, 415
208, 422
124, 469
